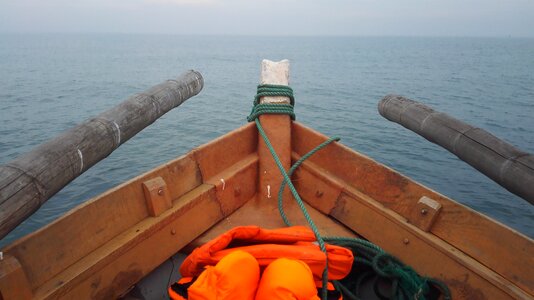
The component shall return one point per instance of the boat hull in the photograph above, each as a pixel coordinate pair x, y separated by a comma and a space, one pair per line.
108, 244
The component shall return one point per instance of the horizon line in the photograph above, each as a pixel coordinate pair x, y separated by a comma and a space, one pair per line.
266, 35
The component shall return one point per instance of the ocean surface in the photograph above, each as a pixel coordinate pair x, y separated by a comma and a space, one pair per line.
51, 82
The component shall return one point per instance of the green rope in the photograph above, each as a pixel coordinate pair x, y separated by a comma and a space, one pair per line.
272, 90
406, 283
300, 203
276, 90
291, 170
271, 108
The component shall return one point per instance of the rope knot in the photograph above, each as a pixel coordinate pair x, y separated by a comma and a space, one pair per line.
272, 90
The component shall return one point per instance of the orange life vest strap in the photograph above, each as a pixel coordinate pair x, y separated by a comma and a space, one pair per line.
178, 290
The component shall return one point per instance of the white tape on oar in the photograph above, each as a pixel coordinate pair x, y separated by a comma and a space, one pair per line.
118, 133
81, 159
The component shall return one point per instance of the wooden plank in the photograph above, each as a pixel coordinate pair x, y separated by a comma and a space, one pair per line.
49, 167
277, 128
13, 280
310, 175
53, 248
474, 234
315, 187
237, 184
223, 152
110, 270
430, 256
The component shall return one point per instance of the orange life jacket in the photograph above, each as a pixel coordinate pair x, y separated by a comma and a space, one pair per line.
237, 277
287, 279
267, 245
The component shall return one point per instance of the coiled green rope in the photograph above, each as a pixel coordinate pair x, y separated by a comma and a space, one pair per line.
272, 108
406, 283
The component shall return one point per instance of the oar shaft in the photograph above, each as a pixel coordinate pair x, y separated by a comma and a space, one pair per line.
31, 179
505, 164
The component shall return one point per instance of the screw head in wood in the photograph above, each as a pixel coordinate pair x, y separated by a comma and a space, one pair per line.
424, 211
406, 241
173, 232
237, 191
160, 191
318, 194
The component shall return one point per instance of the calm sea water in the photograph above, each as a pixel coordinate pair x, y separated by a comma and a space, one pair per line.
49, 83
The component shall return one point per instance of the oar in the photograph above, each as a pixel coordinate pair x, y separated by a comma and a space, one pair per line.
31, 179
503, 163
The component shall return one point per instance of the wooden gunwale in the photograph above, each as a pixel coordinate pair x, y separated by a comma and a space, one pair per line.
357, 211
464, 229
115, 262
72, 256
85, 228
214, 188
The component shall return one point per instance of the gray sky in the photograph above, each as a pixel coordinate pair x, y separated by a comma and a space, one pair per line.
275, 17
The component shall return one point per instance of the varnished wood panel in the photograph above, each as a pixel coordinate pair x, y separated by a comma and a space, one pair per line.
111, 269
13, 281
53, 248
221, 153
315, 187
278, 129
430, 256
237, 184
496, 246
